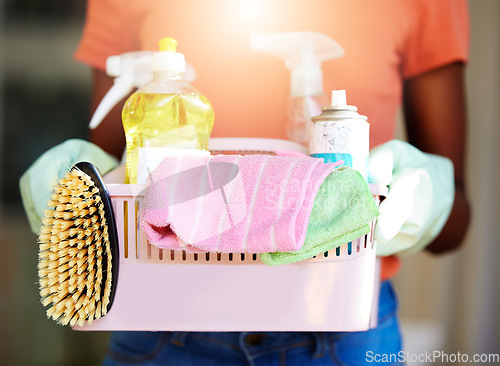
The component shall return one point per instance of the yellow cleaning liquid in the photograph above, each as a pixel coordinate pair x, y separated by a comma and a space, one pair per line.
166, 112
162, 120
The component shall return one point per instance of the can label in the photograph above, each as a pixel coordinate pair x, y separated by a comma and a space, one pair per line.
343, 139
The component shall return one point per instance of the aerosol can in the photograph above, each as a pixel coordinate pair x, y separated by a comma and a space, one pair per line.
341, 133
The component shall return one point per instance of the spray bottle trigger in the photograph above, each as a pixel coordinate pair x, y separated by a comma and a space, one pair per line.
121, 88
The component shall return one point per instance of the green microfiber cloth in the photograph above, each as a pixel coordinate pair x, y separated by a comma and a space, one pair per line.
342, 210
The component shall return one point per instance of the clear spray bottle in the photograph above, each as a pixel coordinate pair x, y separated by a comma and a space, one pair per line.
303, 53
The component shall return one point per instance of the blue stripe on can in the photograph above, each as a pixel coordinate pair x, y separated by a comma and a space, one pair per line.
334, 157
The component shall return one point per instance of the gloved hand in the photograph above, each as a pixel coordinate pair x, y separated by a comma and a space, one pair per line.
37, 183
420, 198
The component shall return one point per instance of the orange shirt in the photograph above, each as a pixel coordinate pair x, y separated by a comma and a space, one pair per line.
385, 41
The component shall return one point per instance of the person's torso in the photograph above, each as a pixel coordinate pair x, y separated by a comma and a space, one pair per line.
249, 89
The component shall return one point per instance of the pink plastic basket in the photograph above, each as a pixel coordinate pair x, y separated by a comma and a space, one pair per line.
178, 291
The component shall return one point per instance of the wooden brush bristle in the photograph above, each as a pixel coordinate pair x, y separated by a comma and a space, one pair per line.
75, 258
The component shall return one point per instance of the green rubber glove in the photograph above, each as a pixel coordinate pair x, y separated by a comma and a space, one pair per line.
37, 183
420, 198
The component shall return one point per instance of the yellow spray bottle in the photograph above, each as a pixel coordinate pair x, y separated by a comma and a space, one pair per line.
166, 112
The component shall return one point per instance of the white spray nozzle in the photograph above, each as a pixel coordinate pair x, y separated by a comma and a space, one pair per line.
130, 70
303, 53
339, 98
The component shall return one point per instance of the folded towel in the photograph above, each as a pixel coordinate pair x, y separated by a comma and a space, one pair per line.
228, 203
343, 208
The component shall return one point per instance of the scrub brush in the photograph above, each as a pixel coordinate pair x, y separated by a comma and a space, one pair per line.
78, 249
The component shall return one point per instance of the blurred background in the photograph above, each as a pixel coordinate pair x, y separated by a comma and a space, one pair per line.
448, 303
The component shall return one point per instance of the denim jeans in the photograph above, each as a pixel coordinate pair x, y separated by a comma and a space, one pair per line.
378, 346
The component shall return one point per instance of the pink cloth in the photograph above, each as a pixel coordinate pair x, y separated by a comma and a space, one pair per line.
229, 203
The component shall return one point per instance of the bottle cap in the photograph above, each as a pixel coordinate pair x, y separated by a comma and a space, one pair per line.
168, 59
